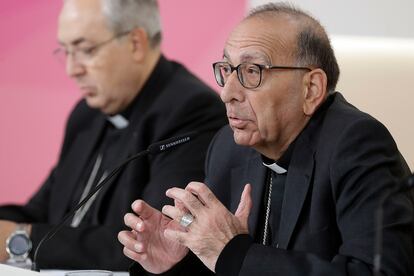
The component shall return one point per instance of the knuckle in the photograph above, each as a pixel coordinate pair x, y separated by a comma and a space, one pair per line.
188, 197
210, 196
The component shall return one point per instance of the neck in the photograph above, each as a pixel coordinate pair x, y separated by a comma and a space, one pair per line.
149, 64
275, 149
147, 67
143, 71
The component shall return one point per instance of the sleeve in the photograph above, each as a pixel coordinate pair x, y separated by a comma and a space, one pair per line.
365, 163
85, 247
34, 210
37, 208
188, 266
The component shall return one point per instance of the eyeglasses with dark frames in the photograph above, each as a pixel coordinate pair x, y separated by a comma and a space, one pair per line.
84, 54
249, 74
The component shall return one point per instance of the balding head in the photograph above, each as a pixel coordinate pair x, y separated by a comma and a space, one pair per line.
312, 46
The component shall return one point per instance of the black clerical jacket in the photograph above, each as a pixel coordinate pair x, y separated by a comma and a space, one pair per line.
172, 102
341, 164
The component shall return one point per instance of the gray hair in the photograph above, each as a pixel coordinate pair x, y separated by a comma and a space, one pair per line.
125, 15
313, 45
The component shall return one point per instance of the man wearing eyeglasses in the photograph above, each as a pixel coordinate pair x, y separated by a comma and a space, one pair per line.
316, 168
133, 97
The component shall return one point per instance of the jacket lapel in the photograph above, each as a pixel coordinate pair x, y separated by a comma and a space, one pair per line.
132, 139
300, 174
253, 172
124, 153
297, 186
76, 162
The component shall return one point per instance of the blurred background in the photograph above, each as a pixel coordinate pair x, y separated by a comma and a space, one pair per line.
373, 40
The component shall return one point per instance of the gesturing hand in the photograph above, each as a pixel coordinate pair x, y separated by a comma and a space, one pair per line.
213, 225
146, 243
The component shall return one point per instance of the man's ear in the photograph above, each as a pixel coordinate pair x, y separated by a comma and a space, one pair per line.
139, 43
315, 90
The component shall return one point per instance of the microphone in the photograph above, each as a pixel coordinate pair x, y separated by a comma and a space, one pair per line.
170, 143
153, 149
405, 185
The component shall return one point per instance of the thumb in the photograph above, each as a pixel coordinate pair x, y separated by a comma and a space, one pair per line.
245, 205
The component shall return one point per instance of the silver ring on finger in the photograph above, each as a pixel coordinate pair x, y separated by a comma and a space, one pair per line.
186, 220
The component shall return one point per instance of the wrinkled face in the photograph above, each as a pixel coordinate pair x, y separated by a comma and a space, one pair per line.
271, 115
104, 75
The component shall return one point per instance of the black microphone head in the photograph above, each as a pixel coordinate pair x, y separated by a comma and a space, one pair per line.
171, 143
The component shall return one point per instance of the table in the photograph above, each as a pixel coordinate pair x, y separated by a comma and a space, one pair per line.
51, 272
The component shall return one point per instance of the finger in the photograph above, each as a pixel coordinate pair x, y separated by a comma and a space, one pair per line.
204, 194
134, 222
134, 255
143, 209
127, 239
179, 205
172, 212
191, 202
245, 205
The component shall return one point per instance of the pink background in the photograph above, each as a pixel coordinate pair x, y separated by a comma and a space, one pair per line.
36, 96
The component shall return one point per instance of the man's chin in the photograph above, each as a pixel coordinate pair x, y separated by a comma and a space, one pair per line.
242, 138
95, 104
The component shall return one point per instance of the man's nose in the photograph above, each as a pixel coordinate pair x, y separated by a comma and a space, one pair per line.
232, 90
74, 68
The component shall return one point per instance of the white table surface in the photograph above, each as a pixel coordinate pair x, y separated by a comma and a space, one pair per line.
62, 272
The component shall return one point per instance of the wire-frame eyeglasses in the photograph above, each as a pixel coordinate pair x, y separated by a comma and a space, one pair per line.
84, 54
249, 74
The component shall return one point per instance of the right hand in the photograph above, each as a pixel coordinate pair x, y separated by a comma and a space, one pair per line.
146, 243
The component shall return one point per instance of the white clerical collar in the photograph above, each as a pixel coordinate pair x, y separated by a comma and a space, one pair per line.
276, 168
118, 121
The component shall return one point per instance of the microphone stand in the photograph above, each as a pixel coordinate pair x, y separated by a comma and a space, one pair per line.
153, 149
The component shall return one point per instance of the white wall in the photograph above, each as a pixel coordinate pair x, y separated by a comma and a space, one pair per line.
376, 76
360, 17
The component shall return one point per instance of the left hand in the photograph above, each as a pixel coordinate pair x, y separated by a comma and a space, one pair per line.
6, 228
213, 226
146, 243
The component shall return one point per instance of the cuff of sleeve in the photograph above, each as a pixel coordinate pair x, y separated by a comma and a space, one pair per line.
189, 265
231, 258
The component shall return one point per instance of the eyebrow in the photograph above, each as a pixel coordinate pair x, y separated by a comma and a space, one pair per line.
74, 42
253, 57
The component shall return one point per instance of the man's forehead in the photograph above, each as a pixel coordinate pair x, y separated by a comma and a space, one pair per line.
81, 21
262, 39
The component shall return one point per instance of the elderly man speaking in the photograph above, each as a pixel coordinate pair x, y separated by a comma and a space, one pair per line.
316, 168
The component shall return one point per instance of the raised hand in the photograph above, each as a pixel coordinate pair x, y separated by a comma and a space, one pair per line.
146, 243
213, 225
